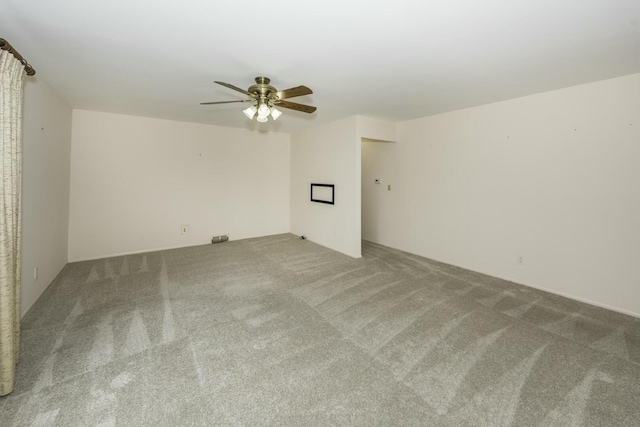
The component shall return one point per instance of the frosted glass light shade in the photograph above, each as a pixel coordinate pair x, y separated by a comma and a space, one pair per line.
263, 113
263, 110
275, 113
250, 112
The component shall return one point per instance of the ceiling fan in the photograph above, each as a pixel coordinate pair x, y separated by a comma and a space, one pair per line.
265, 98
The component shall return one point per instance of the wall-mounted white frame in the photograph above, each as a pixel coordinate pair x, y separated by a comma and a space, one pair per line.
323, 193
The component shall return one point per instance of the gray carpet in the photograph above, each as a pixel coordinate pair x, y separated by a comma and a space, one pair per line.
278, 331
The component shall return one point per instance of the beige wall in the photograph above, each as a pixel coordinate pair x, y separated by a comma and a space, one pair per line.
45, 191
553, 178
327, 155
375, 129
135, 181
330, 154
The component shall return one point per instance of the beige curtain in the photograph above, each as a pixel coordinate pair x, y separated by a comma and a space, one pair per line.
11, 92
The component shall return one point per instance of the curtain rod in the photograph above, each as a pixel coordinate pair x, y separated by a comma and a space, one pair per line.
4, 45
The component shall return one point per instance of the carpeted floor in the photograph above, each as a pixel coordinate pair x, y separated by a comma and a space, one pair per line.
278, 331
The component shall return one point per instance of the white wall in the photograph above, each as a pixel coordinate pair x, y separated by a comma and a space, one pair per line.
553, 178
376, 129
45, 191
330, 154
378, 162
327, 155
135, 181
372, 131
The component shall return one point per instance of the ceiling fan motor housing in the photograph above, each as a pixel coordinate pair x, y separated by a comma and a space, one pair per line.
263, 94
262, 89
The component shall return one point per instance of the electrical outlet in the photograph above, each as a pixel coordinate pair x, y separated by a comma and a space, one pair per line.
184, 229
389, 187
520, 260
35, 273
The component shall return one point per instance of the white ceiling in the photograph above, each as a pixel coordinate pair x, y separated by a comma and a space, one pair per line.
394, 60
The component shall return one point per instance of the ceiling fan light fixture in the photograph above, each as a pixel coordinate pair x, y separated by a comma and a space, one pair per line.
263, 109
250, 112
263, 112
275, 113
263, 98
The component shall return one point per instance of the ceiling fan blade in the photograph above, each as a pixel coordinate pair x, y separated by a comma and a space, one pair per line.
294, 91
296, 106
226, 102
230, 86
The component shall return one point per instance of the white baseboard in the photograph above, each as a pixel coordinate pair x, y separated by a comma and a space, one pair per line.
43, 291
143, 251
541, 288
